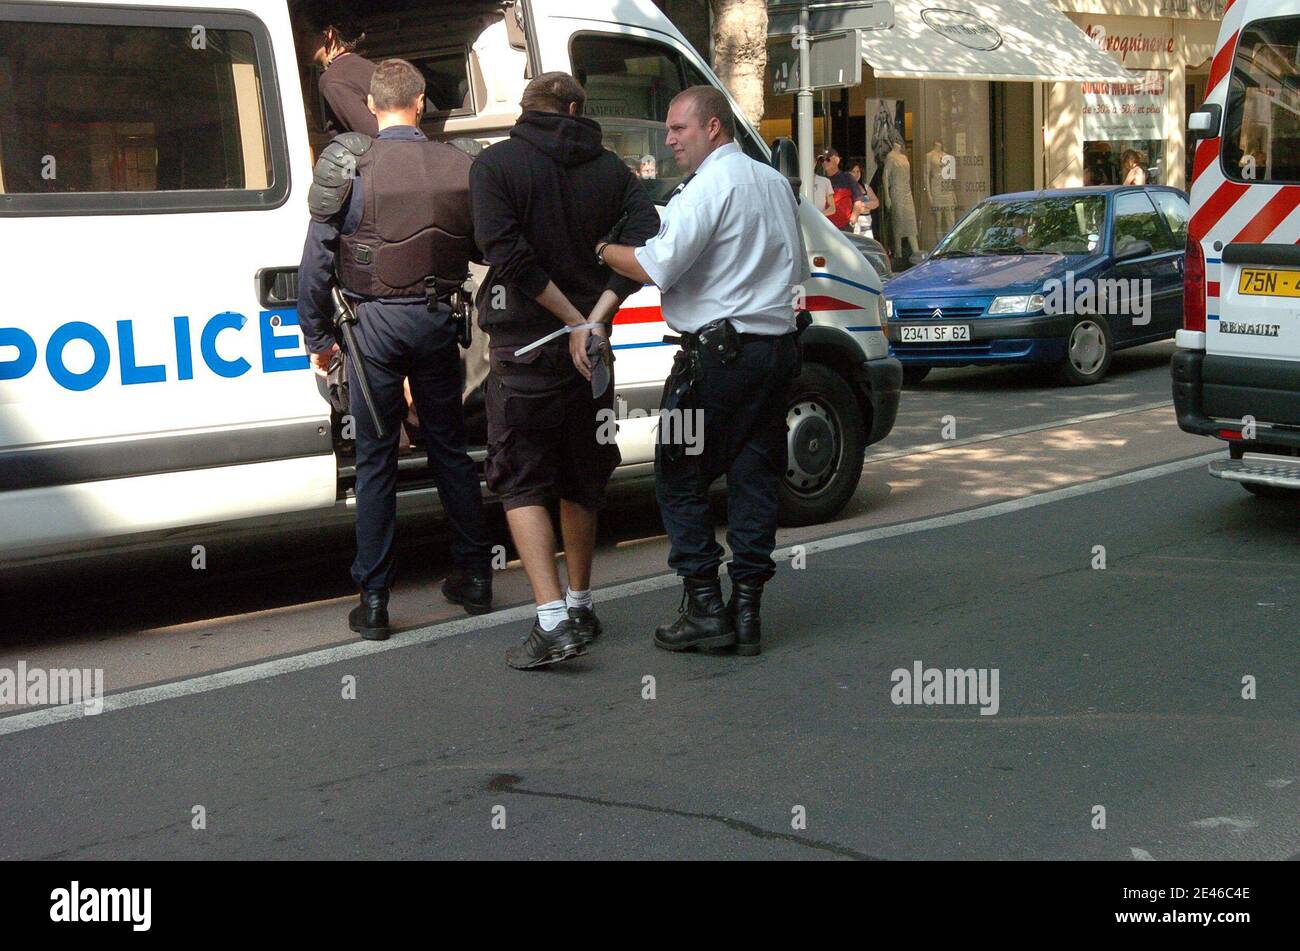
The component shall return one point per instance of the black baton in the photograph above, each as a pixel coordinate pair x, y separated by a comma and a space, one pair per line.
344, 318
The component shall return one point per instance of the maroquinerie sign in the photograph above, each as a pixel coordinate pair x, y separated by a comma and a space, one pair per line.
1137, 43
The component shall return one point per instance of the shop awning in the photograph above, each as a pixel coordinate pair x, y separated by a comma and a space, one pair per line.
992, 40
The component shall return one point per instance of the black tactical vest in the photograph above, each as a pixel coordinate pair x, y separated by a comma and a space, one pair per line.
415, 223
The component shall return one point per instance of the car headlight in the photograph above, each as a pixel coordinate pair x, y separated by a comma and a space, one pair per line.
884, 311
889, 308
1017, 304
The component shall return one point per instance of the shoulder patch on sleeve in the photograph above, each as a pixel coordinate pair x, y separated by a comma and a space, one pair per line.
334, 172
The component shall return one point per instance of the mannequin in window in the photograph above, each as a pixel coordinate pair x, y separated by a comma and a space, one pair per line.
940, 191
896, 195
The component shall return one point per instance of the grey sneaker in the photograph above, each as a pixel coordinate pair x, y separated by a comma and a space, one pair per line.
588, 624
541, 647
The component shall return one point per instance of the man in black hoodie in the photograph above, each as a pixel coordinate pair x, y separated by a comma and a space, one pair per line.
541, 199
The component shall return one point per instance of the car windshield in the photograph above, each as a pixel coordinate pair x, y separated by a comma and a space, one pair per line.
1064, 225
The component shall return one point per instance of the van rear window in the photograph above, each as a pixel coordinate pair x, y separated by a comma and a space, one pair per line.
147, 115
1261, 139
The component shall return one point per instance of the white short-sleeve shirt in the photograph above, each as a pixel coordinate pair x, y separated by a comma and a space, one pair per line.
822, 190
729, 245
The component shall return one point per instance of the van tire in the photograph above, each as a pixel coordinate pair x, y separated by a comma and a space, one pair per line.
819, 480
1080, 366
914, 374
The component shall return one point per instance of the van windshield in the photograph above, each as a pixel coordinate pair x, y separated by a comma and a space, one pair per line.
1060, 225
1261, 140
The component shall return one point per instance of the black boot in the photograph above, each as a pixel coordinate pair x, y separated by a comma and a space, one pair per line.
370, 617
471, 588
743, 610
703, 620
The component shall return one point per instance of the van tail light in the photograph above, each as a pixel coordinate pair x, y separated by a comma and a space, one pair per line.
1194, 287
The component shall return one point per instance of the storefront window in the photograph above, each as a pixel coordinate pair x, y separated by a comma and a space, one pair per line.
1123, 130
927, 159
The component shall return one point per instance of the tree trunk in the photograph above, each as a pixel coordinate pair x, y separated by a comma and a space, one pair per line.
740, 51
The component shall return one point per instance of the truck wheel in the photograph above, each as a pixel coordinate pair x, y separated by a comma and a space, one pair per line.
1088, 351
914, 374
826, 440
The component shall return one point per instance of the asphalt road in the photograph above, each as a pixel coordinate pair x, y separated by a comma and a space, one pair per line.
1119, 688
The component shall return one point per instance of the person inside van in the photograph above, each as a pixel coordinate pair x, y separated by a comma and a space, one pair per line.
330, 43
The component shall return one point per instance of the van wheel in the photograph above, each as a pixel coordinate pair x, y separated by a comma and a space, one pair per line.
825, 441
914, 374
1088, 350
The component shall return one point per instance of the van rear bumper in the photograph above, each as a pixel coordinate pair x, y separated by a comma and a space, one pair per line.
1213, 393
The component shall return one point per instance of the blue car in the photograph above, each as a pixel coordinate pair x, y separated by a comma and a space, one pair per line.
1063, 277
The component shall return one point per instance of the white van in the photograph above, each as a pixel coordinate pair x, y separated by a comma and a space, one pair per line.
1236, 374
154, 165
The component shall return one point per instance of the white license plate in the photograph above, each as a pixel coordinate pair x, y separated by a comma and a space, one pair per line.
935, 333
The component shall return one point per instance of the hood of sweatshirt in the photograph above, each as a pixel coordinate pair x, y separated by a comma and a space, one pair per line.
569, 140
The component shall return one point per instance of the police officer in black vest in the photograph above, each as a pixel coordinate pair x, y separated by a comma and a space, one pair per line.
389, 216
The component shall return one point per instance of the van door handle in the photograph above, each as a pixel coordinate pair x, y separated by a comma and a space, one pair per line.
277, 287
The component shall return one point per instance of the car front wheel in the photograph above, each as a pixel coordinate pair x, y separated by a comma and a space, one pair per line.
1088, 350
826, 439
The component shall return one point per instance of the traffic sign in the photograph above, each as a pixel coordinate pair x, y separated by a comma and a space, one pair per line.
836, 61
831, 15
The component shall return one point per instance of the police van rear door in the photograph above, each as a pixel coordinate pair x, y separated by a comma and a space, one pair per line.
1253, 216
150, 167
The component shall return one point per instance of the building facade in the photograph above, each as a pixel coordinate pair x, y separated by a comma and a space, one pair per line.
996, 120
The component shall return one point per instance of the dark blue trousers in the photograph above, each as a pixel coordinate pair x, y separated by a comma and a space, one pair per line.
401, 341
742, 407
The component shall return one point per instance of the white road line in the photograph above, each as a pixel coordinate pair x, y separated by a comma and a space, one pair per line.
1023, 430
49, 716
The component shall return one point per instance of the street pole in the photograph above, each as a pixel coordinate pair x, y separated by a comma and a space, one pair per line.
804, 103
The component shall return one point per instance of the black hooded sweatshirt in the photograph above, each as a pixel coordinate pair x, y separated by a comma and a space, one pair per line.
541, 200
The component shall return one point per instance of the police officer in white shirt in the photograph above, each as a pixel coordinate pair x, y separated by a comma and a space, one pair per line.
729, 260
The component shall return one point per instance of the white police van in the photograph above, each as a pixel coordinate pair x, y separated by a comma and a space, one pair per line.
154, 165
1236, 375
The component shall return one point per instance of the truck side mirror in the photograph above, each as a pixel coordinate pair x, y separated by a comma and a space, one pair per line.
785, 159
1204, 123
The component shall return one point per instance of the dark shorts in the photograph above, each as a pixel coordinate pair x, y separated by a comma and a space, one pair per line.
547, 437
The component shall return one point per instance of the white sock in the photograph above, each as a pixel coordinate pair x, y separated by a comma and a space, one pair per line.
578, 599
552, 614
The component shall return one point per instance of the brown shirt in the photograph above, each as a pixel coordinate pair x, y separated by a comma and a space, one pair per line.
344, 85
